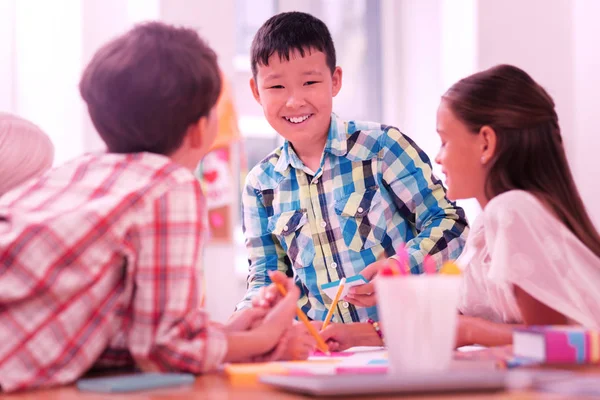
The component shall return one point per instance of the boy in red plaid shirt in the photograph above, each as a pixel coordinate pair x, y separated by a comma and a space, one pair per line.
100, 258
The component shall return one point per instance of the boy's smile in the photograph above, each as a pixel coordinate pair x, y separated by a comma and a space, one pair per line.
297, 97
298, 119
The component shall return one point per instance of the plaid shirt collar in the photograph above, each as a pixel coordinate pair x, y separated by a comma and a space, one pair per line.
336, 144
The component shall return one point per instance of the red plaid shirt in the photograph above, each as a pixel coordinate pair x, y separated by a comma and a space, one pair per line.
100, 264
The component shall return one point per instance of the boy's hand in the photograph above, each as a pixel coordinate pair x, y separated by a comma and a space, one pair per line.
267, 337
277, 353
280, 317
300, 343
246, 319
267, 296
364, 295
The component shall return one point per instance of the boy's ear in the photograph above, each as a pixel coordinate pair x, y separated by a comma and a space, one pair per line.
336, 81
254, 89
196, 131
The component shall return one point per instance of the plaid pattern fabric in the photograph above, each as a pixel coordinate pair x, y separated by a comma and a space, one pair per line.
99, 264
375, 191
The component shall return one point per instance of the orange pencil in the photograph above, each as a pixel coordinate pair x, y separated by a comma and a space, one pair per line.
335, 300
203, 295
302, 317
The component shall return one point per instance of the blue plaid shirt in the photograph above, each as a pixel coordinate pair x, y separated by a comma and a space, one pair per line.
374, 192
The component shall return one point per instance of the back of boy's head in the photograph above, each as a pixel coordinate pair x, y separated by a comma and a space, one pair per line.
145, 88
289, 31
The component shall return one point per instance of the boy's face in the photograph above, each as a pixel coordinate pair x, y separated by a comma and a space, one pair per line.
297, 96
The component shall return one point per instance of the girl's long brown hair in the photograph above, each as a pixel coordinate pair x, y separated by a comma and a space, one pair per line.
529, 150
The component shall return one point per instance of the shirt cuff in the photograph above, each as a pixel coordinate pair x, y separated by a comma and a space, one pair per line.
216, 347
244, 304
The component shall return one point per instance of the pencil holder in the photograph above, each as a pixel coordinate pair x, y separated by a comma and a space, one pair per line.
418, 315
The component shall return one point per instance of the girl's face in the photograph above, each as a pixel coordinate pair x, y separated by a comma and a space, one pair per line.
463, 156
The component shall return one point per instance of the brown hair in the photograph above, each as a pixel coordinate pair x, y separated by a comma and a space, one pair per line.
288, 31
529, 151
146, 87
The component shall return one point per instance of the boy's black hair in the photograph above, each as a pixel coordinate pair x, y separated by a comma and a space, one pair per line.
145, 88
289, 31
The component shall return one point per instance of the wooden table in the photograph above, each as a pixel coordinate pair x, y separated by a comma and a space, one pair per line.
217, 386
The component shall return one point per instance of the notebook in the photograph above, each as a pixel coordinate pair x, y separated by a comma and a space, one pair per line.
557, 344
356, 360
454, 381
576, 386
361, 384
363, 363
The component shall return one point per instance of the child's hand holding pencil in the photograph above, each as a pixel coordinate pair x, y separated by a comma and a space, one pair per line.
267, 295
300, 339
267, 337
321, 345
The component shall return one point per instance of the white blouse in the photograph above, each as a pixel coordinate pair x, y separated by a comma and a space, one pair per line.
517, 241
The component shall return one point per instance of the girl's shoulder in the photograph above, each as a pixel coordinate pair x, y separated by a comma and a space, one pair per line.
516, 202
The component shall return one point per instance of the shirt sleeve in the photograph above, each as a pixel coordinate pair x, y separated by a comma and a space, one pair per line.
265, 253
441, 226
168, 330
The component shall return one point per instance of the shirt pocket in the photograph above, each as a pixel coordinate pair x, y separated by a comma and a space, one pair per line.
362, 219
293, 232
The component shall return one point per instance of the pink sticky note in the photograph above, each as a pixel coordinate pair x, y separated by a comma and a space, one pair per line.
318, 353
378, 369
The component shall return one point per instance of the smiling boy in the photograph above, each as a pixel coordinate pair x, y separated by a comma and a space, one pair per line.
338, 195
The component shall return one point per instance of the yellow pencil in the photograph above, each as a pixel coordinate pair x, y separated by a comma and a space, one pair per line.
302, 317
335, 300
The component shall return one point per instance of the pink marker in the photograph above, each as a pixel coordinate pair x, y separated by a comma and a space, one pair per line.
388, 271
401, 261
429, 265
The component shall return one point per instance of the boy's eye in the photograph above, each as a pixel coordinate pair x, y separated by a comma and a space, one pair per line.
310, 83
276, 87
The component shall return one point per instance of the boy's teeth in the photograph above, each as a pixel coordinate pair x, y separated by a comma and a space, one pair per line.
297, 120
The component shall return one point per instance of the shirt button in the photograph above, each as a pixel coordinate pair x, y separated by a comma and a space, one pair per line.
323, 224
333, 265
360, 209
316, 181
285, 228
345, 304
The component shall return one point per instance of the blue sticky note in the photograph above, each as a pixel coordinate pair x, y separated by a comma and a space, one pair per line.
135, 382
331, 288
378, 361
